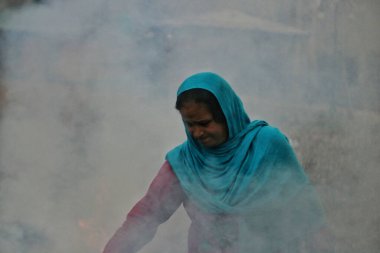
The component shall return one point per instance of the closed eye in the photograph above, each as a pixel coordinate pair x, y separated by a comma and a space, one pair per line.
204, 123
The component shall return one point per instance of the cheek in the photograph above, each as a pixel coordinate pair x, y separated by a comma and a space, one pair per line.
219, 132
224, 133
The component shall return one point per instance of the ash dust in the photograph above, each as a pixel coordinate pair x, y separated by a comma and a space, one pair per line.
87, 93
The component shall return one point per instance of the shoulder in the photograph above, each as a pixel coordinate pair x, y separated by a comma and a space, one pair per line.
166, 170
271, 135
272, 141
172, 154
165, 177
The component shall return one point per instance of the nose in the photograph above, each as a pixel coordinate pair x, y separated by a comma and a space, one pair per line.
196, 132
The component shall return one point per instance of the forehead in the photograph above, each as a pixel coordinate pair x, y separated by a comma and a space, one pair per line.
195, 111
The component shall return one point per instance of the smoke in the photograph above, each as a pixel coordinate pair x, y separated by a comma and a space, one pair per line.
89, 89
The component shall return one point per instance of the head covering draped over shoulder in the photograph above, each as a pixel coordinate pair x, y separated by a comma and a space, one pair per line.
254, 171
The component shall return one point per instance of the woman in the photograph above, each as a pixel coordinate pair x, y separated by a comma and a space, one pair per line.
238, 180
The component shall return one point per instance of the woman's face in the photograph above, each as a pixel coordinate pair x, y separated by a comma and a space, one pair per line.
202, 126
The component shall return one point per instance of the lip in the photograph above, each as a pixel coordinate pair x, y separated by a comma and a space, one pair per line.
204, 140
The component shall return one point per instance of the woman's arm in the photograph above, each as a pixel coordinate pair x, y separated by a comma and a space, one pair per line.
163, 198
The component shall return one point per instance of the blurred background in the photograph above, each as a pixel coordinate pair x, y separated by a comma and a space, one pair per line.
87, 93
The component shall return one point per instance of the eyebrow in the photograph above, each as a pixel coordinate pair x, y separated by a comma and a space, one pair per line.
203, 121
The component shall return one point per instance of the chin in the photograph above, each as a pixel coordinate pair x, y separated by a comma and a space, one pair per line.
210, 145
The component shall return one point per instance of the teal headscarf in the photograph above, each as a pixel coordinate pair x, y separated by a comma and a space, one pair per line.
254, 171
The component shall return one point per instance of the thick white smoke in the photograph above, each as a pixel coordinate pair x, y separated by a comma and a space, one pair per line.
89, 112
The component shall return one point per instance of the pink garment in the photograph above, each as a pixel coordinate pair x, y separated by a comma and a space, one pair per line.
163, 198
